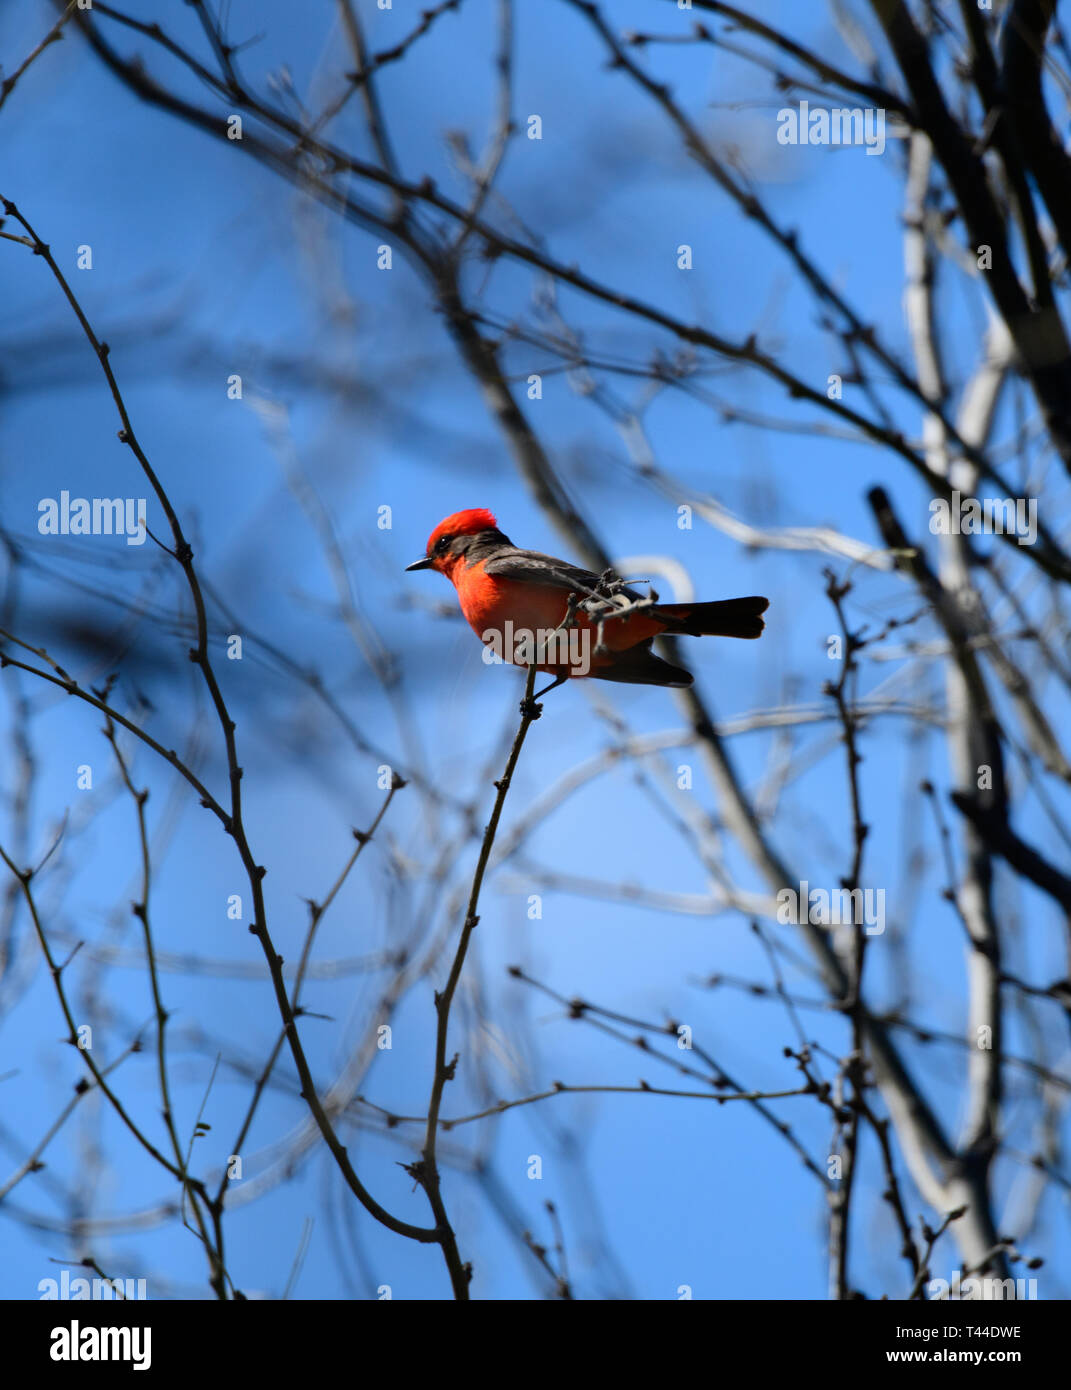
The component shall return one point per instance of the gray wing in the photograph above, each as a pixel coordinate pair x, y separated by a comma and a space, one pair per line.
532, 567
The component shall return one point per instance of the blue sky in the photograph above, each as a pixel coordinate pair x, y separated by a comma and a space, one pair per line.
206, 265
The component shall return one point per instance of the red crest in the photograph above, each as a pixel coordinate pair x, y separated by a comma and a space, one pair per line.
468, 523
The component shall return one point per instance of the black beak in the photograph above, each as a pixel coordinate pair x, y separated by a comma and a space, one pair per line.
424, 563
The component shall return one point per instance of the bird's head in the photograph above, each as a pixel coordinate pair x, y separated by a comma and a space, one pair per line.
455, 537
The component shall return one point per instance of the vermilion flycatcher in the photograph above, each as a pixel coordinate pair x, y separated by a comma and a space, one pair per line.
517, 601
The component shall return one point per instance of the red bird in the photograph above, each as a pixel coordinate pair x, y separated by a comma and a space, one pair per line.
517, 601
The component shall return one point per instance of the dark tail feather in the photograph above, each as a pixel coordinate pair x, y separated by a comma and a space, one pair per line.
728, 617
640, 666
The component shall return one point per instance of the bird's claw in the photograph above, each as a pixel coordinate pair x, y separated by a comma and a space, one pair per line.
530, 709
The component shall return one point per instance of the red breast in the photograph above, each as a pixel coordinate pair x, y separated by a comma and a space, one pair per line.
488, 602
